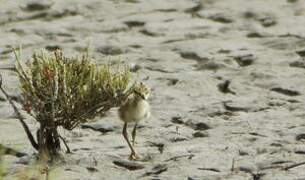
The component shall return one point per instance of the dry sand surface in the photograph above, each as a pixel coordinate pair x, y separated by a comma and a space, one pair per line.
227, 80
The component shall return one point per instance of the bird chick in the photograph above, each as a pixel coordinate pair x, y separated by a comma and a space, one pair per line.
134, 109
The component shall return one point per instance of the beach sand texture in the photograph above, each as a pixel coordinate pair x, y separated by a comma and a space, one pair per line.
227, 80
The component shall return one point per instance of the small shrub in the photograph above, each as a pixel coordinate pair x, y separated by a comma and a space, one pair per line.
64, 92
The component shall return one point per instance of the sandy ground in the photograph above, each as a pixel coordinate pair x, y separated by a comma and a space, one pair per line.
187, 51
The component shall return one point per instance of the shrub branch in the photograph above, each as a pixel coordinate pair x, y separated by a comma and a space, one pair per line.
20, 117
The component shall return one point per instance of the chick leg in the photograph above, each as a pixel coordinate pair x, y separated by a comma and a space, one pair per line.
134, 133
125, 134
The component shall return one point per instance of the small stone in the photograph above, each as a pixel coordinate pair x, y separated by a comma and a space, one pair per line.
238, 106
199, 134
224, 87
103, 128
147, 32
255, 35
131, 24
300, 137
190, 178
177, 120
201, 126
172, 81
110, 50
210, 65
287, 92
246, 167
130, 165
249, 14
194, 9
298, 64
2, 99
191, 55
301, 53
92, 169
38, 5
178, 139
276, 145
210, 169
220, 17
299, 151
243, 152
245, 60
217, 16
158, 169
268, 21
224, 51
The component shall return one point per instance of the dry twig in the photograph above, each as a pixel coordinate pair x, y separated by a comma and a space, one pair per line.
20, 117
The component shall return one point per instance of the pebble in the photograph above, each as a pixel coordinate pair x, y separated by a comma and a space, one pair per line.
224, 87
38, 5
157, 169
300, 137
103, 128
268, 21
2, 99
301, 53
177, 120
298, 64
130, 165
247, 167
196, 125
245, 60
110, 50
199, 134
284, 91
220, 17
92, 169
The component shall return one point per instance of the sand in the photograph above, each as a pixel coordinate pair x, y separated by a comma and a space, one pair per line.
227, 82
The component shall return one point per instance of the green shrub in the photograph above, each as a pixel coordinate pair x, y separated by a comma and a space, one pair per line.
70, 91
63, 92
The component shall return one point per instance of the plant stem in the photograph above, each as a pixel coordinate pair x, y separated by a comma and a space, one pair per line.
20, 117
65, 143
